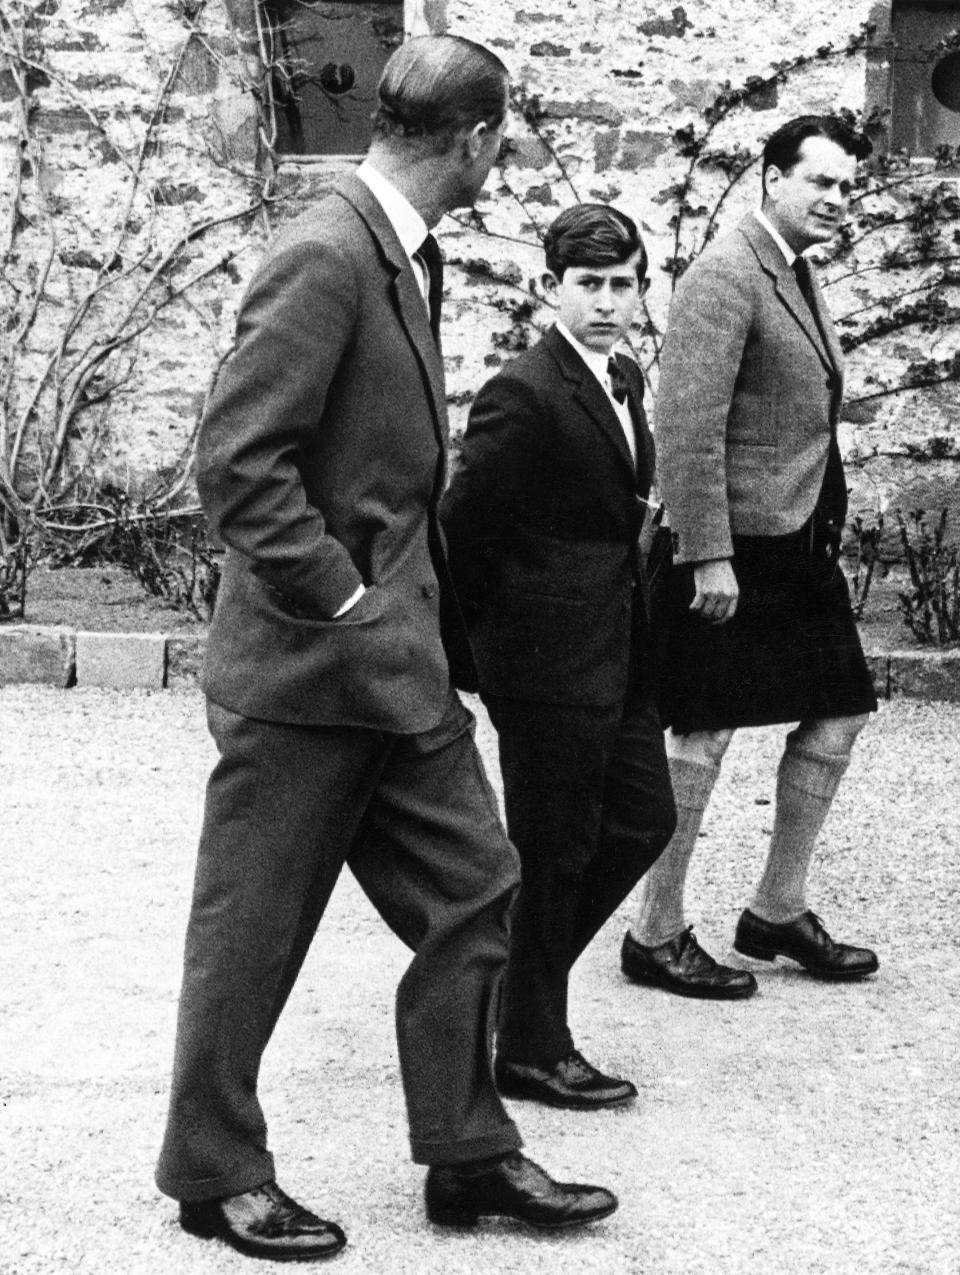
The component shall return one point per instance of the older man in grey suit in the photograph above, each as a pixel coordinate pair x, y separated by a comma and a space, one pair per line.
322, 459
761, 629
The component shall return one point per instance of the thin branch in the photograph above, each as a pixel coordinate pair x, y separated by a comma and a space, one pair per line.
104, 524
887, 265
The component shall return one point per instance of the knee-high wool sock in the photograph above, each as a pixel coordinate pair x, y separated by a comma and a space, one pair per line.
660, 915
807, 782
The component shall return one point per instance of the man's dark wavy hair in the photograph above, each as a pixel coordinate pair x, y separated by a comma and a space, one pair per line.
435, 85
783, 148
592, 235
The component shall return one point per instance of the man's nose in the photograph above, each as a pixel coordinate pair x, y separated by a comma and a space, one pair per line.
604, 299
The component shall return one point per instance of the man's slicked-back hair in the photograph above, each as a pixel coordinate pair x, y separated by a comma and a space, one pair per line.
783, 148
592, 235
435, 85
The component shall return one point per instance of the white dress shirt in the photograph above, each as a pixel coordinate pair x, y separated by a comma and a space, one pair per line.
408, 225
776, 236
597, 363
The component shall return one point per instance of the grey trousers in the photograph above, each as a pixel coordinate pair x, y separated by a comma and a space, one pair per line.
414, 818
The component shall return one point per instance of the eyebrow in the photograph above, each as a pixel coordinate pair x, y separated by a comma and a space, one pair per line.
590, 275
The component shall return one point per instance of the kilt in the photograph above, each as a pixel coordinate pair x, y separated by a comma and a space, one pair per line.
791, 652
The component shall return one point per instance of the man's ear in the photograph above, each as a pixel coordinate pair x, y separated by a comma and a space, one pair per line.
475, 137
771, 179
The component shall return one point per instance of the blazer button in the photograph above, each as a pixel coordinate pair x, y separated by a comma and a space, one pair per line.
429, 590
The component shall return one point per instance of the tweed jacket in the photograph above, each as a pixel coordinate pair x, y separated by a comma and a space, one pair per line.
750, 392
321, 461
542, 519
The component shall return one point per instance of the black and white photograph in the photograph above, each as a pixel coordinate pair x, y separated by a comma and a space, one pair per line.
480, 636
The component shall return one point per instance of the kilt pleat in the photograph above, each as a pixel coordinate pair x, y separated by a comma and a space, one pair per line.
791, 652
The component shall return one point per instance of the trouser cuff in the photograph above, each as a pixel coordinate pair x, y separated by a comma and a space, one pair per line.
500, 1142
193, 1190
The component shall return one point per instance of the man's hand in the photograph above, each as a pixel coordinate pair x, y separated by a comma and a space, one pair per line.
716, 590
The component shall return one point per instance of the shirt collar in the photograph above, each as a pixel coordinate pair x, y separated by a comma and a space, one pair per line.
776, 236
597, 363
408, 225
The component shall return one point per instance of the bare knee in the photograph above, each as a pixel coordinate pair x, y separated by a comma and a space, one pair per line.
700, 748
830, 736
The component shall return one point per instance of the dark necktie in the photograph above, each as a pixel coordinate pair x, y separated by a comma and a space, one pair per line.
832, 501
618, 382
429, 254
801, 272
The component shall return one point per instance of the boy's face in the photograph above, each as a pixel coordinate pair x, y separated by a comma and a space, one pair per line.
596, 303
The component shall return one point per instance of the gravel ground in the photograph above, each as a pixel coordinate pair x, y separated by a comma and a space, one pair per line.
812, 1129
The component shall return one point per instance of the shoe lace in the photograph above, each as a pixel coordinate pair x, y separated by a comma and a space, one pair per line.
689, 947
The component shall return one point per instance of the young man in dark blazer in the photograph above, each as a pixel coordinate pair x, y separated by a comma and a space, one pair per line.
321, 463
543, 520
751, 382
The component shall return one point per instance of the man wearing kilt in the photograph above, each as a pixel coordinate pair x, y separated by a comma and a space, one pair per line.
760, 626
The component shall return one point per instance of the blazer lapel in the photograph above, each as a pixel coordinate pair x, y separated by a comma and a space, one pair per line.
589, 394
407, 297
788, 291
827, 328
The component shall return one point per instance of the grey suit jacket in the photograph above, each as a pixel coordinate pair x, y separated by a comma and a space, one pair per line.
321, 461
749, 394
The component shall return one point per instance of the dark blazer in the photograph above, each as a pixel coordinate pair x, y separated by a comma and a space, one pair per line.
321, 460
749, 394
543, 518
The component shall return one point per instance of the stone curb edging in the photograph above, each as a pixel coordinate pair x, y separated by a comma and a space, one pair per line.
53, 655
57, 656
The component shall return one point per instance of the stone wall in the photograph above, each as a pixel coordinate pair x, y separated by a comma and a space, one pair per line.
138, 137
615, 82
606, 86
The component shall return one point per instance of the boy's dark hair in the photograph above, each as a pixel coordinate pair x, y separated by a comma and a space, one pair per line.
435, 85
783, 148
593, 235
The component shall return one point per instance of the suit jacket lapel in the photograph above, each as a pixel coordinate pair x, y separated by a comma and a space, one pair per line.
589, 394
643, 439
407, 297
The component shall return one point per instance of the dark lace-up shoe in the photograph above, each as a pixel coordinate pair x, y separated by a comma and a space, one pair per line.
264, 1222
572, 1083
805, 941
514, 1187
682, 966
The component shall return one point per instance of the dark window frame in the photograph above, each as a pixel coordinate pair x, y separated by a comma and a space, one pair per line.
324, 84
899, 88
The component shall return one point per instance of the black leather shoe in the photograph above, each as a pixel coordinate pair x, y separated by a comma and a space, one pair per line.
572, 1082
806, 942
461, 1194
264, 1222
682, 966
